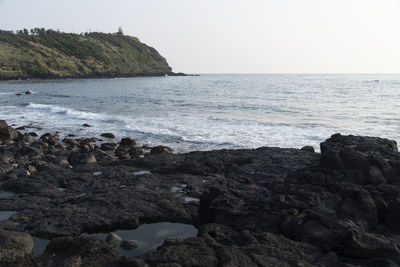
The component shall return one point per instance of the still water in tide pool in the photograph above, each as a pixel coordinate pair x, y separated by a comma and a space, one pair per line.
147, 237
211, 111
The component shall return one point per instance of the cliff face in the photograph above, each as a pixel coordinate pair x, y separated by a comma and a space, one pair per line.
52, 54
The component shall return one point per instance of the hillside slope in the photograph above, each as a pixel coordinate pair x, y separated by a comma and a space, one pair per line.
51, 54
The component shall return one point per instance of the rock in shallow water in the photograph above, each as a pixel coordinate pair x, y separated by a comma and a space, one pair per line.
128, 244
108, 135
113, 239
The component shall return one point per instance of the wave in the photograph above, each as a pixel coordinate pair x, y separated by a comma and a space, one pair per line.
71, 113
228, 133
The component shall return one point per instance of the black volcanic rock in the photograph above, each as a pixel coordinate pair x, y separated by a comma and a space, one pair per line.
160, 150
127, 142
255, 207
7, 133
108, 135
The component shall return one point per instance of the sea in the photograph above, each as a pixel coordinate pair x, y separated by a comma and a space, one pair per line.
210, 111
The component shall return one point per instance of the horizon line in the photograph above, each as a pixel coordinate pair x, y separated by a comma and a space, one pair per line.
291, 73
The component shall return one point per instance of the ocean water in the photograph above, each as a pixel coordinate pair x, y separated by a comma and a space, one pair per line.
210, 111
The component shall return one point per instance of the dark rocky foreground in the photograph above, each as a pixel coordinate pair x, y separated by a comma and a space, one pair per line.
261, 207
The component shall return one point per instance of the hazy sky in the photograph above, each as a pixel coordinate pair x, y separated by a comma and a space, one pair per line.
236, 36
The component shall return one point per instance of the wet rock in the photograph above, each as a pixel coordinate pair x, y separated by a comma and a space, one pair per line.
308, 148
28, 92
127, 142
27, 139
108, 146
108, 135
135, 152
160, 150
86, 125
71, 143
122, 152
50, 139
128, 244
113, 239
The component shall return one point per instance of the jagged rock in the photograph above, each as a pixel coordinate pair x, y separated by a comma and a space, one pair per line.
7, 133
258, 207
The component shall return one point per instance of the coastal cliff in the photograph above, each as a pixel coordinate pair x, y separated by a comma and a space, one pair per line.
51, 54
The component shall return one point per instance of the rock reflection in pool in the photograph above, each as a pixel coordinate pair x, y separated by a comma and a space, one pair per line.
151, 236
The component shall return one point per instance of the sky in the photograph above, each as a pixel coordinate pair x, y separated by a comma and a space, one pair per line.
236, 36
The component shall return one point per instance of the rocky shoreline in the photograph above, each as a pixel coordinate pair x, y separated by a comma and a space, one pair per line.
94, 76
259, 207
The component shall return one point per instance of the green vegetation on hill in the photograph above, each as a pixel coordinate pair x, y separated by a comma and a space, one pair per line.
41, 53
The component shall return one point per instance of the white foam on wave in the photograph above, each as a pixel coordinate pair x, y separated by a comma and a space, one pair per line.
181, 132
231, 133
68, 112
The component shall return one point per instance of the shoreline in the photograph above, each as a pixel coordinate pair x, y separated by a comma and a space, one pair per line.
102, 76
251, 206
